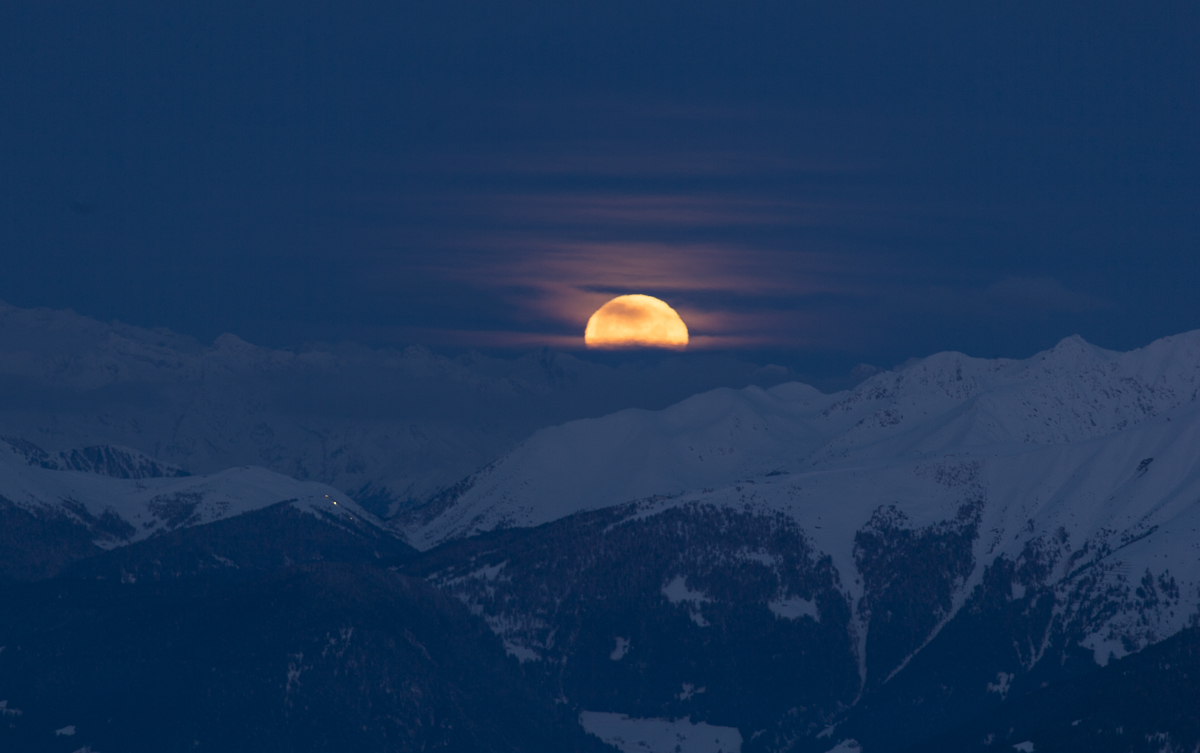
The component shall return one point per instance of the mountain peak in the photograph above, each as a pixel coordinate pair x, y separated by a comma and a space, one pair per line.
230, 341
945, 403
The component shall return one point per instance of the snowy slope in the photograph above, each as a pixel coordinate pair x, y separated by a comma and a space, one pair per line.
653, 735
1080, 458
120, 511
948, 403
707, 440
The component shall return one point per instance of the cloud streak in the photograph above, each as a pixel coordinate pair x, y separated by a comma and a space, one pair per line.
553, 258
763, 240
561, 284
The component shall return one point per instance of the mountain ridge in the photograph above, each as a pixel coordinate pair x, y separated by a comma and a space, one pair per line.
55, 516
1052, 398
390, 427
1061, 494
783, 568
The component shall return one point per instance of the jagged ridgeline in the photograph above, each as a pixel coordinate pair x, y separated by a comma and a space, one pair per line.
118, 462
955, 555
389, 427
987, 529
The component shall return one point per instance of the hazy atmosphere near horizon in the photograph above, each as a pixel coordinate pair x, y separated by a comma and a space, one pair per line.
824, 183
671, 377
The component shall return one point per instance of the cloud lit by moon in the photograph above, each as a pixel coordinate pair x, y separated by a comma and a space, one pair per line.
636, 321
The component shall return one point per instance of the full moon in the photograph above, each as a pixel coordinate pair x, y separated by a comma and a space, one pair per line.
636, 321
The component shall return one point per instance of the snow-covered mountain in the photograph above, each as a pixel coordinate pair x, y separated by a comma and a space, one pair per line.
118, 462
389, 427
121, 511
948, 404
1049, 507
761, 570
52, 515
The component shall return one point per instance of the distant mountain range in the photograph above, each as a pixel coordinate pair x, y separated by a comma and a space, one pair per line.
55, 516
390, 427
959, 554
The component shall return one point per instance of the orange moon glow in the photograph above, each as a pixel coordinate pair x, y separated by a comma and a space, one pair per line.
636, 321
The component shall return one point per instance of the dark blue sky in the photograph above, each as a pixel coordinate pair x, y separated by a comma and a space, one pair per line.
814, 183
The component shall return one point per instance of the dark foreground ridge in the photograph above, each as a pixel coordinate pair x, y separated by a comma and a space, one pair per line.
319, 657
1147, 702
274, 631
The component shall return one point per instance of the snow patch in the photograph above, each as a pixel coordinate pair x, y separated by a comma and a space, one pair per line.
67, 730
690, 690
489, 573
793, 608
631, 735
1025, 747
677, 592
846, 746
522, 653
1001, 685
338, 643
621, 649
224, 560
295, 669
764, 558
